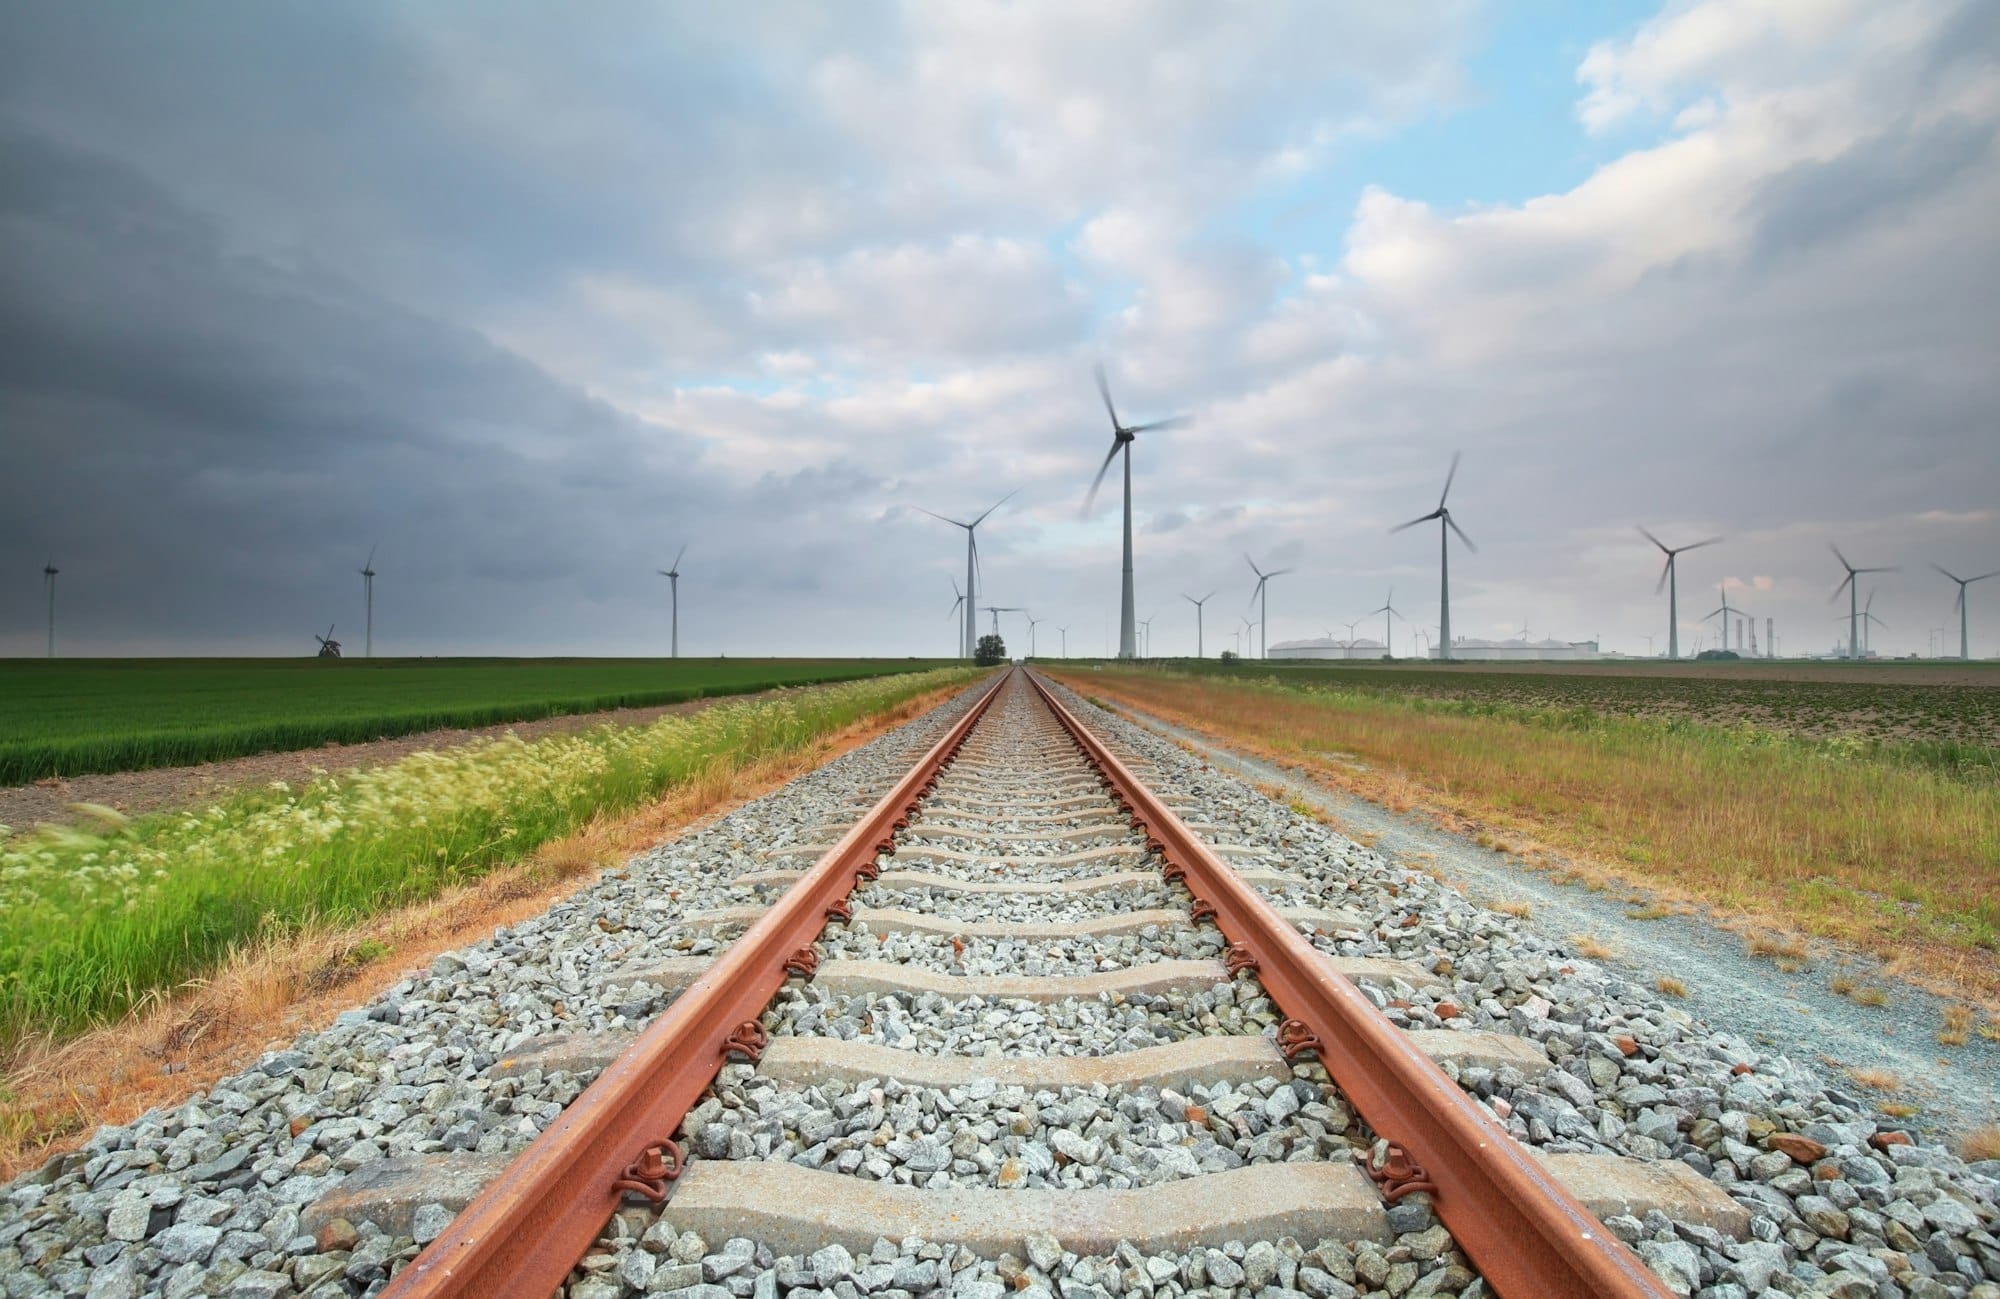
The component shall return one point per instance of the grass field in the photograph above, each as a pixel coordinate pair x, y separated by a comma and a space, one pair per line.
1841, 840
65, 718
1945, 713
92, 921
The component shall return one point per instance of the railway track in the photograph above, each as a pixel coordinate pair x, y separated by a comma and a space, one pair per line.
1022, 878
1015, 999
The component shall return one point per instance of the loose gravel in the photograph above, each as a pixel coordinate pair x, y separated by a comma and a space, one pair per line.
204, 1199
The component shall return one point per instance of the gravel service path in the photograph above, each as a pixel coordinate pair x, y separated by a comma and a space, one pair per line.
226, 1194
1797, 1014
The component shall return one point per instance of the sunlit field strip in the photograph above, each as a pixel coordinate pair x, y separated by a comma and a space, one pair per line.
91, 923
1897, 857
68, 718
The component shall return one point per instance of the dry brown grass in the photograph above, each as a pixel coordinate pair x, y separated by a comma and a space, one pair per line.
1842, 983
1669, 986
1788, 947
1591, 947
1956, 1025
1517, 909
1869, 995
1807, 845
1980, 1143
1650, 911
1881, 1080
174, 1047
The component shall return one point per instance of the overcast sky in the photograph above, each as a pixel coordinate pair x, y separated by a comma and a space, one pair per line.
527, 297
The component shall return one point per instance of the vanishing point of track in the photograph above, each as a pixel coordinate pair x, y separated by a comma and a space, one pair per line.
1016, 754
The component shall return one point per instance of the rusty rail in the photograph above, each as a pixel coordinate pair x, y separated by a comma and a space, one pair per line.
526, 1230
1527, 1236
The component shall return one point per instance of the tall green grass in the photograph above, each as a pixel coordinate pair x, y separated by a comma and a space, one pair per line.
66, 718
92, 922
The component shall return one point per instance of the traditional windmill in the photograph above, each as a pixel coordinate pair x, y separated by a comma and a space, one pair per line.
329, 648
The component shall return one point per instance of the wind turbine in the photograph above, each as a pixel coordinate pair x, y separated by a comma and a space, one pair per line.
1147, 623
1261, 598
1964, 636
1725, 611
1853, 589
49, 571
1443, 516
1388, 612
673, 576
368, 598
1122, 436
1350, 631
1065, 640
1032, 622
971, 568
997, 609
1668, 579
1198, 652
956, 605
1868, 617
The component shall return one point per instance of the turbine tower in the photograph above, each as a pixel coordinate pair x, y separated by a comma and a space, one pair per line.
1869, 620
1389, 611
1853, 589
1147, 623
1197, 619
1260, 596
49, 571
1065, 640
972, 569
1725, 611
1122, 436
1033, 622
673, 576
997, 609
1964, 635
368, 599
1443, 516
1668, 578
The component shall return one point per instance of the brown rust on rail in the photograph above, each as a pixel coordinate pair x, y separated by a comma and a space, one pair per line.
526, 1230
1528, 1236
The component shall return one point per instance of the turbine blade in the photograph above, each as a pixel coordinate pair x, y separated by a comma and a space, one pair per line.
1842, 558
935, 515
677, 556
370, 561
1421, 518
1253, 566
1104, 389
996, 505
1280, 573
1845, 582
1449, 475
1665, 569
1650, 537
1983, 576
1947, 572
1452, 523
1098, 481
1699, 544
1172, 421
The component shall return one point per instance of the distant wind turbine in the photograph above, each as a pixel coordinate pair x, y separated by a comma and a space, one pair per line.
1869, 619
956, 605
49, 571
1853, 589
1065, 640
673, 576
1389, 611
1443, 515
1261, 598
368, 599
1033, 622
1350, 630
1147, 623
1669, 579
972, 568
1964, 634
1198, 650
1122, 436
1725, 610
997, 609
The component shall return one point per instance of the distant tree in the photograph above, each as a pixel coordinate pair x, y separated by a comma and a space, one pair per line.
1719, 656
991, 650
1229, 656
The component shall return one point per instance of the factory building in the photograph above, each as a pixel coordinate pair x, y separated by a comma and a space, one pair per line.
1323, 648
1522, 651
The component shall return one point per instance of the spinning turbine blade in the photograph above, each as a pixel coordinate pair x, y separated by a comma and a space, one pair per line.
996, 505
677, 557
1665, 569
1104, 390
1449, 475
1452, 523
1098, 481
1424, 518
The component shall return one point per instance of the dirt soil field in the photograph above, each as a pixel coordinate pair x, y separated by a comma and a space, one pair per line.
159, 788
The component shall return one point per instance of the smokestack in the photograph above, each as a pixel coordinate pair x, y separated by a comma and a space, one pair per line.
1770, 640
1753, 638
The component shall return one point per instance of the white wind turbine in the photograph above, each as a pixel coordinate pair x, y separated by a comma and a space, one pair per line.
368, 599
1122, 436
673, 576
1033, 622
1065, 640
1964, 634
972, 568
49, 571
1389, 611
1198, 619
1443, 516
1853, 589
956, 605
1260, 597
1670, 579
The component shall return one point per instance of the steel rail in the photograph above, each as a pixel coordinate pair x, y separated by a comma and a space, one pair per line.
1528, 1236
524, 1233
